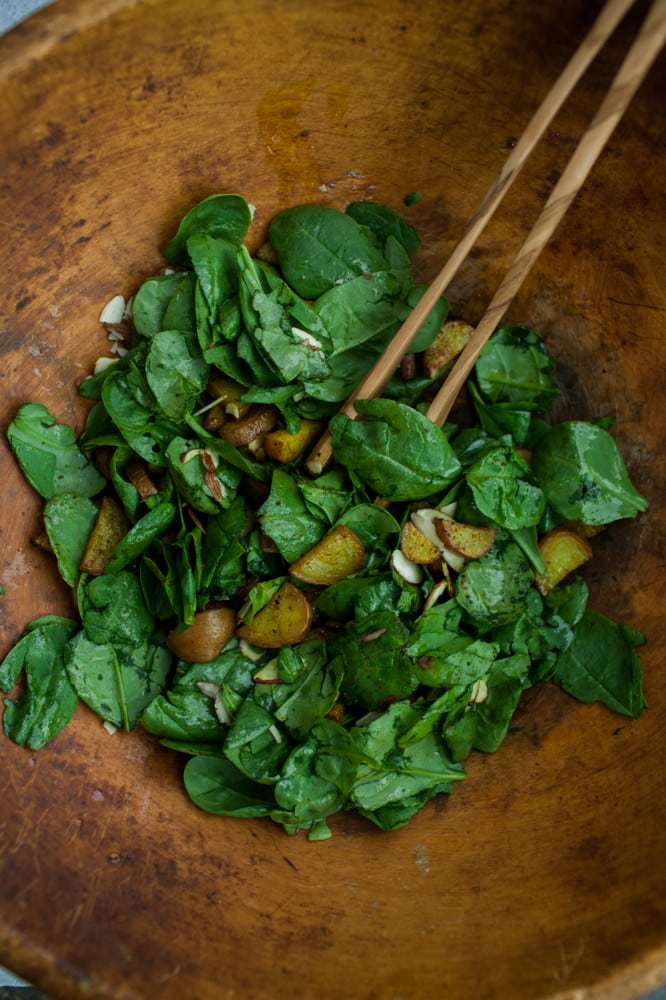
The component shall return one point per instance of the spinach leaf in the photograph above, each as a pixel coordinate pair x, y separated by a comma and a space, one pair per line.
515, 367
395, 450
601, 664
286, 519
69, 519
132, 408
226, 216
318, 247
187, 711
49, 455
218, 787
48, 700
384, 222
494, 588
155, 297
202, 479
113, 610
485, 721
176, 372
140, 535
376, 667
116, 681
580, 469
504, 491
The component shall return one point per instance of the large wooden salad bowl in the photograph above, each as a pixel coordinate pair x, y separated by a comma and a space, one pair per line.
544, 875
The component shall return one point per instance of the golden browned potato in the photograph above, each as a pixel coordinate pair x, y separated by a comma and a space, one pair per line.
256, 423
228, 394
338, 555
284, 621
562, 551
111, 525
469, 540
206, 637
284, 447
448, 343
416, 547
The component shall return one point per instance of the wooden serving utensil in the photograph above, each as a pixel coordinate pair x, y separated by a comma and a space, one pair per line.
633, 70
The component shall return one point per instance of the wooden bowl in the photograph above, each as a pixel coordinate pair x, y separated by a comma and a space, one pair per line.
545, 873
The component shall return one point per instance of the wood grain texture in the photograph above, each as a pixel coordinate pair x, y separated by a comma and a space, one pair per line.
544, 875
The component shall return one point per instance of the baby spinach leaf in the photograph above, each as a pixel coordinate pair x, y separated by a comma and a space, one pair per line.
113, 610
117, 682
493, 589
197, 473
376, 667
176, 372
225, 216
485, 721
580, 469
256, 744
515, 367
217, 786
601, 664
140, 535
48, 700
49, 455
318, 247
69, 519
286, 519
302, 792
504, 491
384, 222
395, 450
132, 408
152, 300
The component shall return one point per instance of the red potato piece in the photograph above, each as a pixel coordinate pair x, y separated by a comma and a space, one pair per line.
206, 637
338, 555
284, 621
562, 551
256, 423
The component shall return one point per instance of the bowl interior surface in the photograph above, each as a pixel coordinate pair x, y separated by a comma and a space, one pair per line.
545, 871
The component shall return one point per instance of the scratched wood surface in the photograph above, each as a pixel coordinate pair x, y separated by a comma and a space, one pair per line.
545, 873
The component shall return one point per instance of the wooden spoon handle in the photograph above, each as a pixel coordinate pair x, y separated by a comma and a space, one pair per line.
376, 379
635, 66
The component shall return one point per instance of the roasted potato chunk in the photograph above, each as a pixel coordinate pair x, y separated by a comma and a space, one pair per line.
416, 547
469, 540
206, 637
284, 447
338, 555
448, 343
256, 423
111, 525
284, 621
562, 551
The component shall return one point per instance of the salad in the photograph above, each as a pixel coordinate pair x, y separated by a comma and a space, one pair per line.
313, 640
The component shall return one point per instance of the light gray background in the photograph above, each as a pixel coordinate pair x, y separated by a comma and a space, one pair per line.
11, 12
